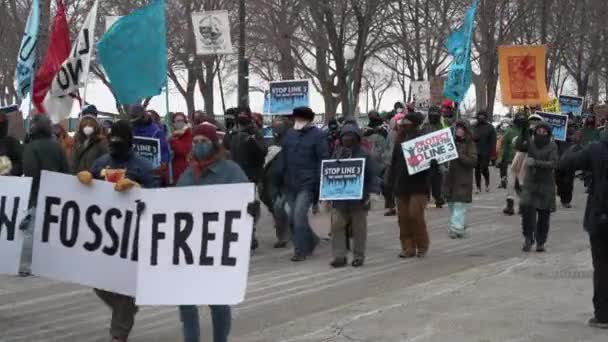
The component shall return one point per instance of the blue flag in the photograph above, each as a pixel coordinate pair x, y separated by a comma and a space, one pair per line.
133, 54
459, 46
24, 75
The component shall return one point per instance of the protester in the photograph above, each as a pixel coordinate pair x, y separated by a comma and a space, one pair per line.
43, 152
90, 144
11, 151
592, 159
127, 170
352, 215
459, 182
145, 127
589, 133
448, 112
565, 179
64, 139
436, 174
485, 137
274, 198
247, 148
209, 167
388, 193
304, 148
538, 190
181, 144
507, 148
411, 192
333, 135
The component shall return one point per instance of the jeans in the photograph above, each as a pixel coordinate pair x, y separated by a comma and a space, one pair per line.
221, 318
535, 224
303, 236
458, 217
599, 254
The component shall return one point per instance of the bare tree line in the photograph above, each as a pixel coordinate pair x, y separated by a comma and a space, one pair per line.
394, 42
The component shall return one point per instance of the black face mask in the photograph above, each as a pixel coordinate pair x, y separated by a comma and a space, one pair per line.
541, 140
375, 122
119, 150
434, 119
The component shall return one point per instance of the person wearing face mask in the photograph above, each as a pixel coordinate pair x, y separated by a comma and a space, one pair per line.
304, 148
209, 167
352, 215
411, 191
11, 150
43, 152
145, 127
448, 112
485, 137
127, 170
90, 144
181, 144
537, 198
435, 123
395, 116
459, 180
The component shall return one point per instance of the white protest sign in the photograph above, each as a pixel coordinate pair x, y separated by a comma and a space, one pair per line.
196, 245
86, 234
421, 93
419, 152
212, 33
13, 208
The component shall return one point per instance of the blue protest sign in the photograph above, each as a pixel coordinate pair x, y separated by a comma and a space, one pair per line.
148, 149
571, 104
558, 123
342, 179
284, 96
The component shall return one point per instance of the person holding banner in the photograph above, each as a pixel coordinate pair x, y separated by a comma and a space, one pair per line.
411, 192
127, 170
90, 144
209, 167
11, 151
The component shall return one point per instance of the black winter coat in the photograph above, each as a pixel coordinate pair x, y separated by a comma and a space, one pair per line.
248, 149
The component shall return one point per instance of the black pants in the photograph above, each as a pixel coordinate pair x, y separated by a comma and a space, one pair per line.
504, 172
483, 168
387, 192
565, 186
535, 224
599, 254
437, 185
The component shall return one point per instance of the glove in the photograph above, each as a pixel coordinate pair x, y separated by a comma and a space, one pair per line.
530, 161
85, 177
253, 209
125, 184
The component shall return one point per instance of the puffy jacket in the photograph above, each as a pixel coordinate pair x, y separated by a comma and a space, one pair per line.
181, 144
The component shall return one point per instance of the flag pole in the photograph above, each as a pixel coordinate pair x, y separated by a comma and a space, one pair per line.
168, 124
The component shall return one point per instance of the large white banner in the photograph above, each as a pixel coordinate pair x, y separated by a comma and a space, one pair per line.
196, 245
14, 199
421, 93
86, 234
212, 33
74, 72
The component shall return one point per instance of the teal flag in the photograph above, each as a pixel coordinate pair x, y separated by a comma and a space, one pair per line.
24, 75
133, 54
459, 47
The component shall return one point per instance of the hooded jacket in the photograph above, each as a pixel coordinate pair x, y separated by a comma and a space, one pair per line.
485, 137
10, 148
459, 180
247, 149
538, 190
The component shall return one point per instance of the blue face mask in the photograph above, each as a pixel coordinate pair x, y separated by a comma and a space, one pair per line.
202, 151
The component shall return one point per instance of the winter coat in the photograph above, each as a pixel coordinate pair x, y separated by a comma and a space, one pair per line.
592, 158
85, 154
538, 190
42, 153
485, 137
400, 180
221, 172
152, 130
138, 170
300, 161
10, 148
459, 179
181, 145
266, 189
376, 139
248, 149
67, 143
508, 145
588, 135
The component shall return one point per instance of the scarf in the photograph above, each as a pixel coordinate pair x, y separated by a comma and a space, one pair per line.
200, 167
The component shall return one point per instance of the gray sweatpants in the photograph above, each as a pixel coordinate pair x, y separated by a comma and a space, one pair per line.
354, 220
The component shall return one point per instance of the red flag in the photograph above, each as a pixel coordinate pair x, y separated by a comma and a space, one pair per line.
57, 52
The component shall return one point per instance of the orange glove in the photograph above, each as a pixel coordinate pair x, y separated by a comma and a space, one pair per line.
125, 184
85, 177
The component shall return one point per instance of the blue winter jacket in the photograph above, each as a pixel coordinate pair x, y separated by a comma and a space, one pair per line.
152, 130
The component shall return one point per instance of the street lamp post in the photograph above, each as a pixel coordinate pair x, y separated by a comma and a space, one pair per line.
243, 81
349, 57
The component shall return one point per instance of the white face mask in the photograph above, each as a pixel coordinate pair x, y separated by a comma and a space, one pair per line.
88, 130
299, 125
399, 110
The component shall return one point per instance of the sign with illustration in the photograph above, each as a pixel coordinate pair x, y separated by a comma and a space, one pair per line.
342, 179
571, 104
558, 123
284, 96
419, 152
212, 33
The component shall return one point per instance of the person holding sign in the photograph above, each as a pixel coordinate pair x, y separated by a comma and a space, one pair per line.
459, 182
124, 168
352, 213
411, 191
209, 167
145, 127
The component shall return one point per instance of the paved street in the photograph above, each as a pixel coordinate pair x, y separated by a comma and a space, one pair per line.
482, 289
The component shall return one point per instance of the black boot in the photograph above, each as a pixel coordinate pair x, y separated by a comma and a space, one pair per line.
509, 210
527, 245
339, 262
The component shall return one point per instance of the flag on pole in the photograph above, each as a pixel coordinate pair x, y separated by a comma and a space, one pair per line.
74, 72
459, 46
522, 75
57, 52
27, 53
133, 54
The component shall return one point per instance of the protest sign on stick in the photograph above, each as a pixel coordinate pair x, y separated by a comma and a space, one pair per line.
419, 152
13, 208
342, 179
558, 123
148, 149
212, 33
197, 244
571, 104
421, 92
86, 234
284, 96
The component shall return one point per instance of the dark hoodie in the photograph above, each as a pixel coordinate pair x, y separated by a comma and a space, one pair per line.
10, 147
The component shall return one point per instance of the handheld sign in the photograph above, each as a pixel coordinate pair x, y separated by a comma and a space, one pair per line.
86, 234
342, 179
419, 152
148, 149
13, 208
284, 96
558, 123
196, 245
571, 104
